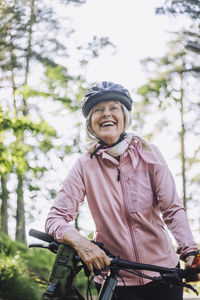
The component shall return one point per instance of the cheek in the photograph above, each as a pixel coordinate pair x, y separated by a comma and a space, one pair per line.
122, 122
121, 119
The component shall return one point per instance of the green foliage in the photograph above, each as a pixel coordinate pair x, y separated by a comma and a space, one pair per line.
15, 280
64, 88
10, 248
154, 86
39, 263
6, 161
14, 284
5, 121
16, 154
34, 71
23, 272
81, 282
26, 91
57, 76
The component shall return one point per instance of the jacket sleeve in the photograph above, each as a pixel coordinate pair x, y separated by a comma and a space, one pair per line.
172, 209
66, 204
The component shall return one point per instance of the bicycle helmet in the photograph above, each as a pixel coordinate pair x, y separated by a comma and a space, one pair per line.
105, 91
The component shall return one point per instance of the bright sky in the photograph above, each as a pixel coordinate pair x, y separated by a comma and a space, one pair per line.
135, 30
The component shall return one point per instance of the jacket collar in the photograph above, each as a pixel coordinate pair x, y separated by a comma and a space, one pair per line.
137, 148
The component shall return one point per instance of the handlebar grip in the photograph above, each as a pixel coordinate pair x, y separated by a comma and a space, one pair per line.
41, 235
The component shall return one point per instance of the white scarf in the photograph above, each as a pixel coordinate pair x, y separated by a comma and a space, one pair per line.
121, 147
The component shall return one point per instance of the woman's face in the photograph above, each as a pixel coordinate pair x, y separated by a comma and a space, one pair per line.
107, 121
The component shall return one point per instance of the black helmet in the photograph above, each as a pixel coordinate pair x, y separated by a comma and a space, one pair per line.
105, 91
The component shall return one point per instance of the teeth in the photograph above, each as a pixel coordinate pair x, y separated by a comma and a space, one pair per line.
108, 124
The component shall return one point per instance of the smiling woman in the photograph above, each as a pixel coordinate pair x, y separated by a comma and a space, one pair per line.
107, 121
128, 186
106, 101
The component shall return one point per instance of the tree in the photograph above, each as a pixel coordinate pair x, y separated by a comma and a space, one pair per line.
170, 84
176, 7
28, 53
5, 167
190, 8
17, 24
14, 159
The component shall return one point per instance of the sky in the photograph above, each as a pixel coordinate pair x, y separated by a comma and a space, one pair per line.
137, 33
132, 27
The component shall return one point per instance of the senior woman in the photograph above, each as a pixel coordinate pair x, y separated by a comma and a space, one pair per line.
128, 187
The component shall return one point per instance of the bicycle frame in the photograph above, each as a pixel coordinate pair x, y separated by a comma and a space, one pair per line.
171, 276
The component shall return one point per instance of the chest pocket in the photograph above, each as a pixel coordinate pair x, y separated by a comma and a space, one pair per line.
139, 188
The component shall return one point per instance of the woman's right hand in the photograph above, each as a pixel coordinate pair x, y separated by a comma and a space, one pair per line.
91, 254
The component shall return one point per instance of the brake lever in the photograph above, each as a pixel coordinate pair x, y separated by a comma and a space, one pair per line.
53, 246
174, 278
38, 246
189, 286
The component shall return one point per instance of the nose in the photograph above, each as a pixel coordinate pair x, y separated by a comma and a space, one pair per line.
106, 112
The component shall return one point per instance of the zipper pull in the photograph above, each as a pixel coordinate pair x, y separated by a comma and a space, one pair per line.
118, 175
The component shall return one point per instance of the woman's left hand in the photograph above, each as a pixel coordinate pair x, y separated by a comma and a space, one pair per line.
189, 260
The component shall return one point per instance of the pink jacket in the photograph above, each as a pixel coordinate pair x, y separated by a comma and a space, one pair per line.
127, 212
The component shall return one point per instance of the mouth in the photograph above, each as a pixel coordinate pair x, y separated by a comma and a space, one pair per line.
107, 124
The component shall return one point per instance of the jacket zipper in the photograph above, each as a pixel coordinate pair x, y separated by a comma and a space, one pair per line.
141, 281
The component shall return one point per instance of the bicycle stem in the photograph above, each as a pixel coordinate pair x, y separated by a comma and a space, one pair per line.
108, 286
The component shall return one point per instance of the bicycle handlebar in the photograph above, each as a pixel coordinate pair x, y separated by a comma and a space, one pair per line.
41, 235
167, 274
120, 263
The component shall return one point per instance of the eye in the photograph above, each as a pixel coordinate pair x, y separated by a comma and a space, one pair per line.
115, 107
98, 109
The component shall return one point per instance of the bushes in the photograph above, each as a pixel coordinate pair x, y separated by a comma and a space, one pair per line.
15, 284
23, 272
8, 247
81, 282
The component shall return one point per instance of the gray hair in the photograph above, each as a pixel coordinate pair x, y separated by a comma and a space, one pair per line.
91, 136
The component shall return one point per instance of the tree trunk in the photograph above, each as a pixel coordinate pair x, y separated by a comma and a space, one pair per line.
4, 204
20, 216
182, 136
30, 30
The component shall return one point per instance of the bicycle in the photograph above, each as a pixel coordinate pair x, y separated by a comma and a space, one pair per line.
169, 276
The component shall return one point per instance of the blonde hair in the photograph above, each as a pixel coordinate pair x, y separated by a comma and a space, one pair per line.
93, 140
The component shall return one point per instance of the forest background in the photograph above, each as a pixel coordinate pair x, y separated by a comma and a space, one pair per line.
48, 60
